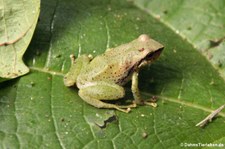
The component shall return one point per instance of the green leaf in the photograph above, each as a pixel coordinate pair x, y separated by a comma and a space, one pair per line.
205, 31
17, 23
38, 111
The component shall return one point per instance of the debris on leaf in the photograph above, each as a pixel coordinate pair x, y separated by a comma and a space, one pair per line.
144, 135
210, 117
109, 120
216, 42
101, 119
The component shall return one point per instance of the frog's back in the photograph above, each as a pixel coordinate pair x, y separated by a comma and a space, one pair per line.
103, 68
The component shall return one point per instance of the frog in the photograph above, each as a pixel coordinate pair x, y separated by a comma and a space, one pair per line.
101, 79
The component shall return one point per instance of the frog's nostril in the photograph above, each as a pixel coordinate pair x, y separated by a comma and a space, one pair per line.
142, 49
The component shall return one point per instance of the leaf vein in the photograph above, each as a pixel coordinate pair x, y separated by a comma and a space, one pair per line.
189, 104
16, 117
52, 23
7, 37
181, 89
155, 131
45, 70
107, 34
54, 119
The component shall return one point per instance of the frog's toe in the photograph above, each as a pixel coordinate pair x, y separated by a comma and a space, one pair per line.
153, 104
126, 108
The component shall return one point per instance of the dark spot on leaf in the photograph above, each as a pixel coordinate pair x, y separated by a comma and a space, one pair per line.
10, 11
165, 11
58, 56
219, 64
189, 28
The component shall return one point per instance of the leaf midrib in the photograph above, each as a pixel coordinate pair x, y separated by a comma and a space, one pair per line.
174, 100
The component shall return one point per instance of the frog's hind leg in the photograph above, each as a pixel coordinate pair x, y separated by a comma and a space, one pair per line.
104, 91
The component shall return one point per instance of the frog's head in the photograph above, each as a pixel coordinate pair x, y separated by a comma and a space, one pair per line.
147, 50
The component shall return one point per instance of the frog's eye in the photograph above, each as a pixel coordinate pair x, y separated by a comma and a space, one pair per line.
143, 38
140, 50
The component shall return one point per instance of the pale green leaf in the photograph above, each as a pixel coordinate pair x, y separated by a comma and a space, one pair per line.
17, 23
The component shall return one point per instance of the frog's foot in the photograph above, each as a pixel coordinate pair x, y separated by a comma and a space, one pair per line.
153, 104
142, 102
150, 102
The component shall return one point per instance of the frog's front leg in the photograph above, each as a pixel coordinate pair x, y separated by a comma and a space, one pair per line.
104, 91
76, 66
136, 92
